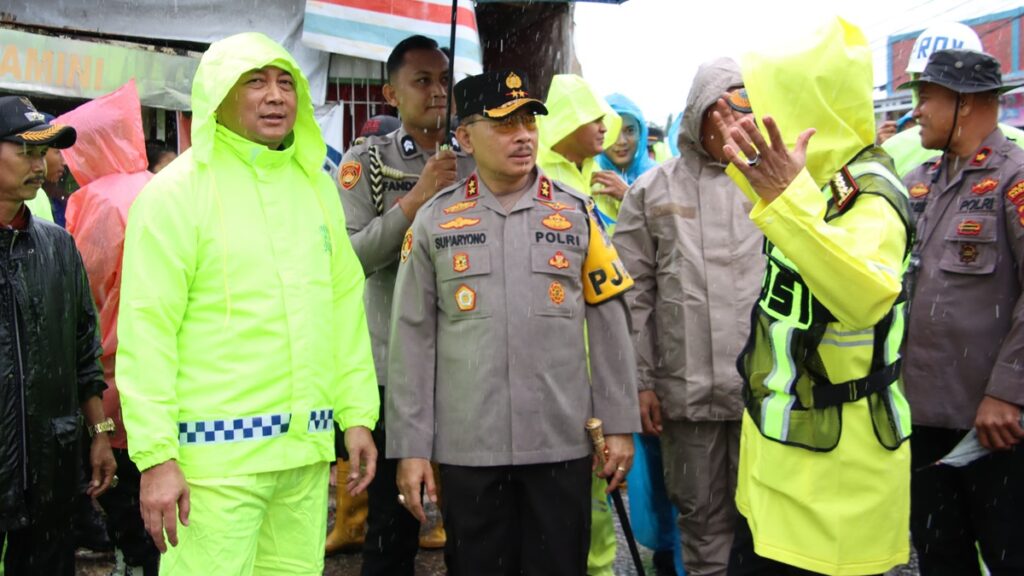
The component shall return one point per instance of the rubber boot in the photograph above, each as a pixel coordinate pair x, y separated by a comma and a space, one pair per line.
350, 516
432, 534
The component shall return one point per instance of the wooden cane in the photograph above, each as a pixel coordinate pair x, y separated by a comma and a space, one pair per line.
593, 427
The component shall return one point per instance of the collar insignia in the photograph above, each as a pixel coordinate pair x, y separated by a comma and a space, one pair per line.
472, 187
981, 156
408, 146
544, 188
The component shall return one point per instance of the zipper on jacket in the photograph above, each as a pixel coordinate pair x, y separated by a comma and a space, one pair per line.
21, 366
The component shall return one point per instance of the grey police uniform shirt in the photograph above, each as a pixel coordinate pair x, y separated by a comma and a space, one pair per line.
377, 238
966, 327
488, 362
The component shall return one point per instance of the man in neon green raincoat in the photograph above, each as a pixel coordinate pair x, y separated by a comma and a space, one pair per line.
578, 126
824, 475
242, 331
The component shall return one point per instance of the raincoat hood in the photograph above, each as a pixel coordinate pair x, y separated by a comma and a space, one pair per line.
713, 78
219, 69
110, 136
641, 161
572, 103
821, 79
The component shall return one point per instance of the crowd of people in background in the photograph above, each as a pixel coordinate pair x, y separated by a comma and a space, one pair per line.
785, 315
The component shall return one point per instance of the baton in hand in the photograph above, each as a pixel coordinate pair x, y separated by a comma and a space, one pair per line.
597, 438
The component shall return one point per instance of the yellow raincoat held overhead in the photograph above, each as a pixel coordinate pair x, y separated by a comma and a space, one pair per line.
841, 507
571, 103
242, 330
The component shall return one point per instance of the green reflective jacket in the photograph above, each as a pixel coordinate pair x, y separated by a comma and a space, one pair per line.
242, 330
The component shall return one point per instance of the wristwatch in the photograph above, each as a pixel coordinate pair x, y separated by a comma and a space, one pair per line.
105, 426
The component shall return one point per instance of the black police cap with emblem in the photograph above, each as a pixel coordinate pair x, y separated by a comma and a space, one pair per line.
963, 71
495, 95
20, 122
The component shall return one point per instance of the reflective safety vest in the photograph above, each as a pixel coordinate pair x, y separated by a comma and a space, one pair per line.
786, 389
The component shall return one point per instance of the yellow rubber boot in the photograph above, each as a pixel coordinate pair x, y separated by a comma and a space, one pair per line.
432, 534
349, 530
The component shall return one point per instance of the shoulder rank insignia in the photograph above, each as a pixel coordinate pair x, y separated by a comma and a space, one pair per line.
985, 186
348, 175
844, 188
407, 245
556, 206
969, 228
557, 222
919, 190
556, 292
472, 187
559, 261
544, 188
460, 262
980, 156
459, 223
460, 207
465, 298
408, 146
1016, 193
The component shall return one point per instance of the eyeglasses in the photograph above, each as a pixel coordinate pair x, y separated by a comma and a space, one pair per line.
509, 123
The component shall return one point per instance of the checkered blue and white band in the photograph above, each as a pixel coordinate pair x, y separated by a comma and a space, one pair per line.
248, 428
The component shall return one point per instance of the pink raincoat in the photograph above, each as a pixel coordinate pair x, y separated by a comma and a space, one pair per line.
109, 162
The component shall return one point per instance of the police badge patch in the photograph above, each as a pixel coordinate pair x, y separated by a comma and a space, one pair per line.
349, 174
407, 245
556, 292
557, 222
465, 298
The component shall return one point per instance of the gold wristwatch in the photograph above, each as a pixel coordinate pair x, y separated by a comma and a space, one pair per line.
105, 426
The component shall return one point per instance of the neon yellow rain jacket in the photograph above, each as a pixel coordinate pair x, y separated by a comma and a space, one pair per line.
572, 103
242, 330
843, 511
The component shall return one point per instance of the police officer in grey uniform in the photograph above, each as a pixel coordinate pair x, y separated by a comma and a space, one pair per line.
383, 183
502, 276
964, 363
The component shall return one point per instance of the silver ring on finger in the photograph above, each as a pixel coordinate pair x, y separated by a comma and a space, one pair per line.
753, 162
621, 469
401, 499
114, 481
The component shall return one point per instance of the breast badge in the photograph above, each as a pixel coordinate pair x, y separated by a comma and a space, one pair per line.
1016, 194
465, 298
460, 207
985, 186
556, 292
460, 262
559, 261
557, 222
407, 245
459, 223
968, 253
919, 190
969, 228
556, 206
349, 174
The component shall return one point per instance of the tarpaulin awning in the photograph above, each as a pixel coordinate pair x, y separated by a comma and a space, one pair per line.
371, 28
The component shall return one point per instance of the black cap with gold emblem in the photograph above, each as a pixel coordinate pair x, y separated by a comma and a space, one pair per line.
495, 95
20, 122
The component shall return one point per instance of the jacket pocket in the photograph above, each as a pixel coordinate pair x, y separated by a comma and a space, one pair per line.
556, 287
463, 282
970, 245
